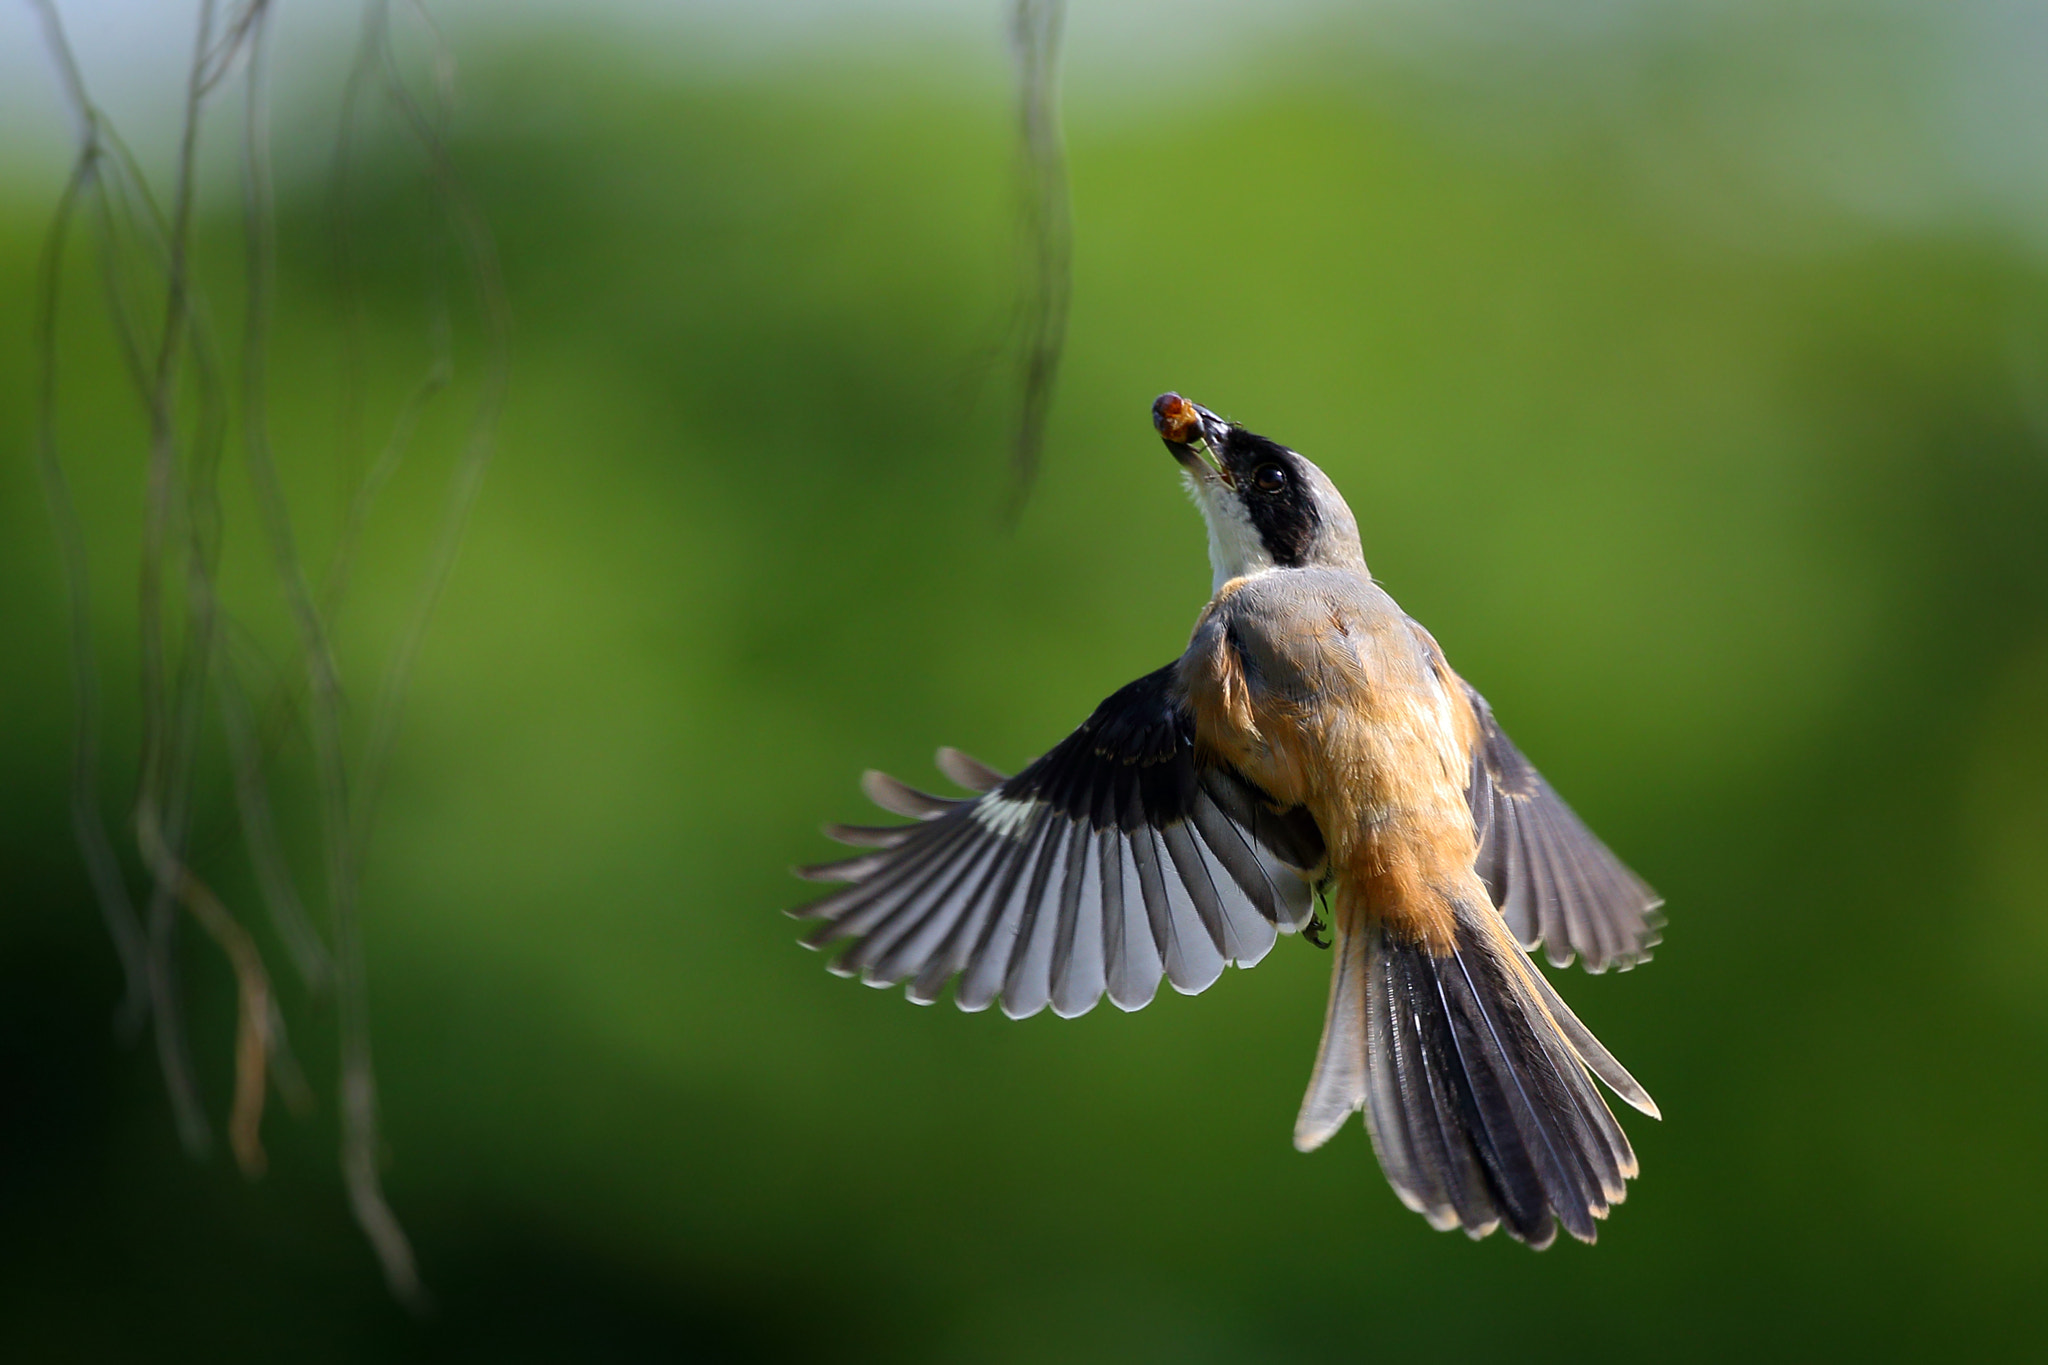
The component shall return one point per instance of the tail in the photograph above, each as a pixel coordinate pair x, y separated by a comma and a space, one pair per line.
1474, 1080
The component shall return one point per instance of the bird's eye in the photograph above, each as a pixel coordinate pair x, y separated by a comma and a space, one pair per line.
1269, 478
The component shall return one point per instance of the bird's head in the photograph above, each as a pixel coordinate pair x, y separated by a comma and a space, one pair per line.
1266, 507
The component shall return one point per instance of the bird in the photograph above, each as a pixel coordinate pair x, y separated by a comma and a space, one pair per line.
1311, 747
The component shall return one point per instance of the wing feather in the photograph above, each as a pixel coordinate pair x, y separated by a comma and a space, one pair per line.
899, 798
1078, 977
1116, 860
1134, 965
989, 962
1555, 883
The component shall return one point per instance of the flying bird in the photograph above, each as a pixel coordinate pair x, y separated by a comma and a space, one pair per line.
1312, 743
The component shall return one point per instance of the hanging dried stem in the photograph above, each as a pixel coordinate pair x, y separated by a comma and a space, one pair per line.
256, 1017
1047, 230
88, 821
156, 313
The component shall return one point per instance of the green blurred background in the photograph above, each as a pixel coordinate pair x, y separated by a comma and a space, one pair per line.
1687, 367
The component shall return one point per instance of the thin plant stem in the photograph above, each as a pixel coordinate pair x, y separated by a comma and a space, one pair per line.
1047, 231
88, 820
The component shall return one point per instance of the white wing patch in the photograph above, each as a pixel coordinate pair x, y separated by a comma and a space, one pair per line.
1004, 815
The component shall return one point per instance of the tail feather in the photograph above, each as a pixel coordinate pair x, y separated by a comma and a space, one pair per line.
1598, 1059
1525, 1134
1337, 1088
1423, 1115
1475, 1082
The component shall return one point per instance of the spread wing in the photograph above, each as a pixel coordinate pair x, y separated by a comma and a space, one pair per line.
1553, 879
1115, 859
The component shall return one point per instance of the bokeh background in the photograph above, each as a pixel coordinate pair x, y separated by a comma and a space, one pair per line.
1687, 366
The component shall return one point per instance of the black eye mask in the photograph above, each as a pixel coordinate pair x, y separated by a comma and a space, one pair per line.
1286, 519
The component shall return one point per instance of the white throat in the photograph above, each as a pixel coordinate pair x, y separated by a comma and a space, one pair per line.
1235, 546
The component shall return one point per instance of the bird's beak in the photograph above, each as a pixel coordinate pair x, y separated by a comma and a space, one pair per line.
1192, 433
